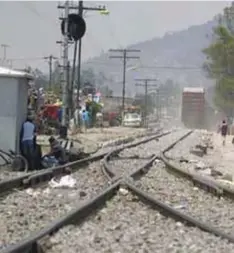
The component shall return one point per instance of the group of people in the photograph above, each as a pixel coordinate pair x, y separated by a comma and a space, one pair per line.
83, 116
32, 151
36, 98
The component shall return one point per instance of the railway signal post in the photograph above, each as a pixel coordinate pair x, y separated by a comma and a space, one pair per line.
81, 8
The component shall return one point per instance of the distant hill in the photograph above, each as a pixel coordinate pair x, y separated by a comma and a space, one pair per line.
176, 50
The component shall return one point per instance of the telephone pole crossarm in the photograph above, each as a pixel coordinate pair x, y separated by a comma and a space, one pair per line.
83, 8
116, 57
122, 57
127, 50
146, 79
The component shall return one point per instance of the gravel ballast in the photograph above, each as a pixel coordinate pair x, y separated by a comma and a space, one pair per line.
114, 146
126, 225
30, 210
182, 148
124, 166
6, 173
182, 195
154, 147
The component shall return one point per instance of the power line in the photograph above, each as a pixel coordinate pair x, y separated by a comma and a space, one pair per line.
32, 9
124, 57
112, 64
115, 64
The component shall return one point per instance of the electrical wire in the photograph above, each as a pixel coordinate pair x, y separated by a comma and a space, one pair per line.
29, 6
112, 32
107, 63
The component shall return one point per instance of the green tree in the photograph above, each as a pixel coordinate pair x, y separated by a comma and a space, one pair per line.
220, 62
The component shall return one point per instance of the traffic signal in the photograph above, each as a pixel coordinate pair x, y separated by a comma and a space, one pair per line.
76, 27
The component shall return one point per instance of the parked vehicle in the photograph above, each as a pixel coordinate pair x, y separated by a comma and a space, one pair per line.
132, 120
111, 118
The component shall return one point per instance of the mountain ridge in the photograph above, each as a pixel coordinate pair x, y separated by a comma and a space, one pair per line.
173, 51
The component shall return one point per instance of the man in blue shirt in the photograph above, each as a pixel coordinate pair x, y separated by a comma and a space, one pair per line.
85, 119
28, 140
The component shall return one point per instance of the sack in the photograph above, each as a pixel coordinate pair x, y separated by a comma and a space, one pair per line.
49, 161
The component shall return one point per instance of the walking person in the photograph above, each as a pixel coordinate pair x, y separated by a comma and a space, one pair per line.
27, 140
224, 131
85, 119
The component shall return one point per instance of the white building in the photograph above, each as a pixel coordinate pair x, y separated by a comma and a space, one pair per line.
13, 106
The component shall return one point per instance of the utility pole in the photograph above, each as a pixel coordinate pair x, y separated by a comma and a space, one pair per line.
81, 8
4, 46
65, 66
50, 59
125, 57
146, 85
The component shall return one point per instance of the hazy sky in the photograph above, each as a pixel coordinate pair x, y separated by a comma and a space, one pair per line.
32, 28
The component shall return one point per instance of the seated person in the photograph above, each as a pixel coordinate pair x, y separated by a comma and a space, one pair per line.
57, 152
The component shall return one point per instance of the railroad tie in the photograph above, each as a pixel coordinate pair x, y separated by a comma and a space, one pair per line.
66, 144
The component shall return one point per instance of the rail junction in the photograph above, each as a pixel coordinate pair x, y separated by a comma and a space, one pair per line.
135, 180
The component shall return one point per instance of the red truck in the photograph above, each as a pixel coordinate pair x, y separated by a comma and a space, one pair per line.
193, 107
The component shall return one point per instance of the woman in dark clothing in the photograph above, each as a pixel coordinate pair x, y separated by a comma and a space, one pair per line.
224, 130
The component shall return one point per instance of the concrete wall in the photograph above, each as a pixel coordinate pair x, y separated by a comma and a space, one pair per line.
13, 110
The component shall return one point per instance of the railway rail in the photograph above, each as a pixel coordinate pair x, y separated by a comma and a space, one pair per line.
32, 179
132, 158
45, 203
126, 224
45, 240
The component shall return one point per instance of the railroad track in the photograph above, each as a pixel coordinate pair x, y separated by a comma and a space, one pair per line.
43, 241
126, 224
25, 211
7, 173
30, 209
125, 161
25, 180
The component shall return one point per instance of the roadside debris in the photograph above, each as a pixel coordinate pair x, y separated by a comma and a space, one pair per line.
65, 181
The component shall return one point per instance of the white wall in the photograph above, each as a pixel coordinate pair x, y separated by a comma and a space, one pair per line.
13, 109
21, 106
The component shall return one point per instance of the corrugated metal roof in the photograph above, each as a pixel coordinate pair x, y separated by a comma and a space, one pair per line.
194, 89
14, 73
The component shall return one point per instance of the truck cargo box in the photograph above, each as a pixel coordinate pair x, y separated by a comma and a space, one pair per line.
193, 107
